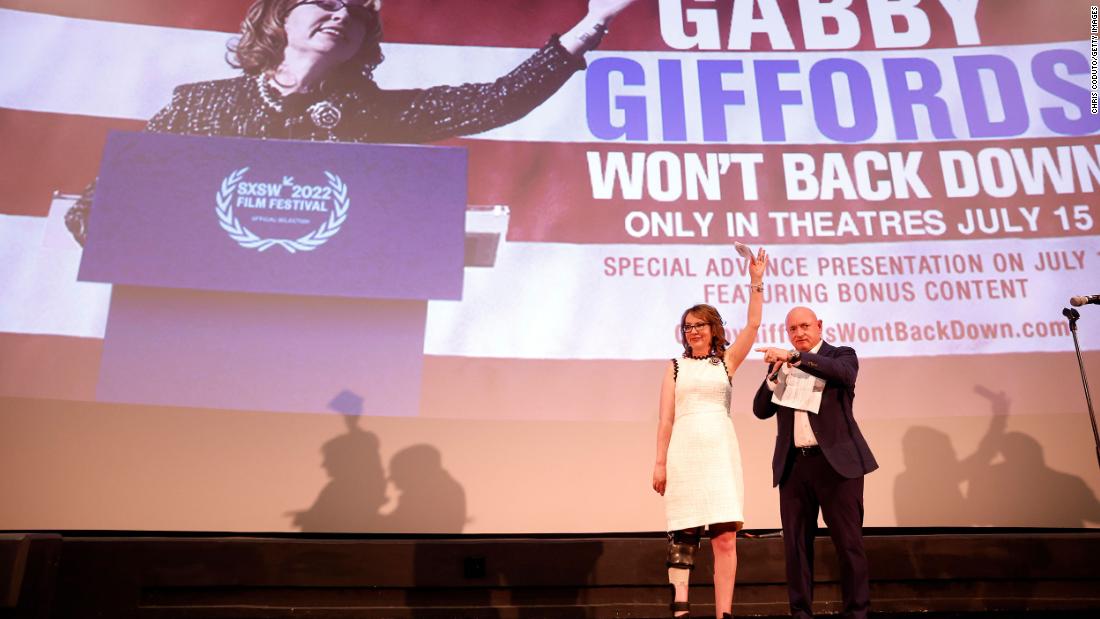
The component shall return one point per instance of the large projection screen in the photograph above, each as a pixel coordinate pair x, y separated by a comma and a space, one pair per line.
922, 173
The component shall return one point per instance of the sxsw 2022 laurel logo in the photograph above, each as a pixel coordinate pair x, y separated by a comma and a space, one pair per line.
265, 197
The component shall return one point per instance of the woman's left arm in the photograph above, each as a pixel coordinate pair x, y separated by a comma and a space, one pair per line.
449, 111
741, 346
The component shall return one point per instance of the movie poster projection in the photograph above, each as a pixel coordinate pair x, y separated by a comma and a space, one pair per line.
923, 174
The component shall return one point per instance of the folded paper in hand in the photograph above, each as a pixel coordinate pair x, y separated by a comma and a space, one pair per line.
798, 390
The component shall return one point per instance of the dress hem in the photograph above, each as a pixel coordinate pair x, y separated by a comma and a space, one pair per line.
691, 524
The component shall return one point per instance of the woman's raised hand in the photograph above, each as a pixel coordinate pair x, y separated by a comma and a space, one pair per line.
758, 265
605, 10
588, 32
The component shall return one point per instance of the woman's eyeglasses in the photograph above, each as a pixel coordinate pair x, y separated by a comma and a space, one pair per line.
697, 326
356, 10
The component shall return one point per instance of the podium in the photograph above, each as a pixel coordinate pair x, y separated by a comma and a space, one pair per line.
272, 275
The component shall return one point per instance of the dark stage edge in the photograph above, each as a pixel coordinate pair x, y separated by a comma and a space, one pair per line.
925, 573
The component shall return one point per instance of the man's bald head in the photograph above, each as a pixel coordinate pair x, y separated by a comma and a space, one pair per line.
803, 328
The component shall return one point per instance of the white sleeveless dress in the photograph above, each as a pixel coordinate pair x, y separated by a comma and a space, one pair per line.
704, 483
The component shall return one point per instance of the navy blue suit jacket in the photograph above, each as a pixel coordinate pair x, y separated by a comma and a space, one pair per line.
834, 425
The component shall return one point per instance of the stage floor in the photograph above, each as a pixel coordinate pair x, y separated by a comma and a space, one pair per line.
915, 573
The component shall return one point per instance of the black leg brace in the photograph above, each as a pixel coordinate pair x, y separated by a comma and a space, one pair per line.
681, 547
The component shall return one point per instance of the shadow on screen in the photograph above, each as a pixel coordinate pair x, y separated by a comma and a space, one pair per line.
1007, 482
1022, 490
356, 491
429, 499
933, 469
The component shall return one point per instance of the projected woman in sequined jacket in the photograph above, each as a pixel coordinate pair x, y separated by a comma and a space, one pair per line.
307, 74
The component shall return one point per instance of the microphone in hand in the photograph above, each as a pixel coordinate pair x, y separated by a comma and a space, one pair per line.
774, 376
1092, 299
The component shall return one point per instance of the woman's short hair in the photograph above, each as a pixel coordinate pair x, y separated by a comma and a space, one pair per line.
263, 39
709, 315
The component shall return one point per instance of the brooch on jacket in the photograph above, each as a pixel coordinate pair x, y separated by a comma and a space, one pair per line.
324, 113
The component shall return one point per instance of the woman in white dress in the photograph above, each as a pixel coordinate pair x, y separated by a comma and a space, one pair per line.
698, 468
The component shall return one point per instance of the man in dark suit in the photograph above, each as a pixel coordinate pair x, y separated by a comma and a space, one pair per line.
820, 459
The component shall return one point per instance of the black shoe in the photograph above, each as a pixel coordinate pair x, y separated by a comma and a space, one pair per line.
678, 606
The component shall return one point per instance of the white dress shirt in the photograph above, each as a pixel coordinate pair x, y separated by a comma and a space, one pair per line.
803, 433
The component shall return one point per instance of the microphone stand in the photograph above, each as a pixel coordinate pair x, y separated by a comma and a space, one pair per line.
1072, 315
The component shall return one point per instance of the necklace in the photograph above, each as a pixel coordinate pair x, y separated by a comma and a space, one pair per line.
713, 359
265, 94
323, 113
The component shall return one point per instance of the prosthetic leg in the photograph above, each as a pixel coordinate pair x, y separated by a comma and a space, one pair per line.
681, 560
